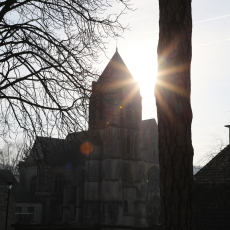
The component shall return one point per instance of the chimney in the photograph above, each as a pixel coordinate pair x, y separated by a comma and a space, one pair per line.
228, 126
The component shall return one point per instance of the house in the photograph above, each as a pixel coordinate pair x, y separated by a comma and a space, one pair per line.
108, 174
24, 207
212, 185
5, 176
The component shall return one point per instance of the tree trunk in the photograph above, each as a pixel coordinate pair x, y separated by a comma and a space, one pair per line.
174, 113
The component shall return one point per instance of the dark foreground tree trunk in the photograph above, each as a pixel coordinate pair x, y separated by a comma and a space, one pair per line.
174, 112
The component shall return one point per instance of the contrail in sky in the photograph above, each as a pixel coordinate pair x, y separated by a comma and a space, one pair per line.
211, 19
212, 43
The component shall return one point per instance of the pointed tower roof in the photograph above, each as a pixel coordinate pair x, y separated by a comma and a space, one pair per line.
116, 70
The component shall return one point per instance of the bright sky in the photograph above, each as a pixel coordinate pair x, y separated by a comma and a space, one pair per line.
210, 65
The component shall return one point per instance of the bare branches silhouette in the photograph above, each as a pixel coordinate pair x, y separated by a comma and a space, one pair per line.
47, 52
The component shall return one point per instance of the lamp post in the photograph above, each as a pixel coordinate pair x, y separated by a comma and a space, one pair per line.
9, 186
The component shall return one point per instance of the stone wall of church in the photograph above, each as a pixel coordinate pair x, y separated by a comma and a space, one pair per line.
115, 106
120, 143
118, 182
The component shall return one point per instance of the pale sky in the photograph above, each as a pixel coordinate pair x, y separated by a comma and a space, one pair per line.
210, 86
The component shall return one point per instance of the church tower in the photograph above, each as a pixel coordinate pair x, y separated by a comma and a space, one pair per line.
115, 99
118, 166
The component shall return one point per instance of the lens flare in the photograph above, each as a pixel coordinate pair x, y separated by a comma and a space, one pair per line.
86, 148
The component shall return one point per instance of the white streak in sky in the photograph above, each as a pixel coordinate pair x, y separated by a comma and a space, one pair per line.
211, 19
212, 43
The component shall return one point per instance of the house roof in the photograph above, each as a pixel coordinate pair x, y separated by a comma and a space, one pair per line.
92, 137
212, 184
217, 170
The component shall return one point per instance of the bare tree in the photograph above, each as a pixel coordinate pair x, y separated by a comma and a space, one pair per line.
174, 112
10, 155
47, 52
217, 144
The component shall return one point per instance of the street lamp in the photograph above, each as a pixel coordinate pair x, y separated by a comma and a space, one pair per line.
9, 186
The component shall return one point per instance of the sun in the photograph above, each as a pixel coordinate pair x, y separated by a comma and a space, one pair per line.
144, 70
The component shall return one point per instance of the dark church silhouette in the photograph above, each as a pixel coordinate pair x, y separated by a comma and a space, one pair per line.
116, 181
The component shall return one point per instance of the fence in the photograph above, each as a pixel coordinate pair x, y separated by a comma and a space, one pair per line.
67, 226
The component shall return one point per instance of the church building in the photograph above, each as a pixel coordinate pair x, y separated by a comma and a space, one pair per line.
108, 174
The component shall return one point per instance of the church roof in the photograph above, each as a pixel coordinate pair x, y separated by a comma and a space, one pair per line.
116, 70
57, 151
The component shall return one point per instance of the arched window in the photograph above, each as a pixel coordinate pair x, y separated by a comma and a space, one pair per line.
59, 184
128, 145
101, 108
33, 184
92, 111
125, 206
153, 211
127, 174
153, 178
136, 144
83, 174
129, 111
121, 111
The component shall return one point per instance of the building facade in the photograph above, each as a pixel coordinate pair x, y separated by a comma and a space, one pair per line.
111, 174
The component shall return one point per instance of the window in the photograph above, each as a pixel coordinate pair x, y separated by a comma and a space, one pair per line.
153, 178
33, 185
121, 113
83, 174
93, 213
127, 174
136, 145
59, 184
101, 108
125, 206
30, 210
129, 111
153, 211
128, 145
